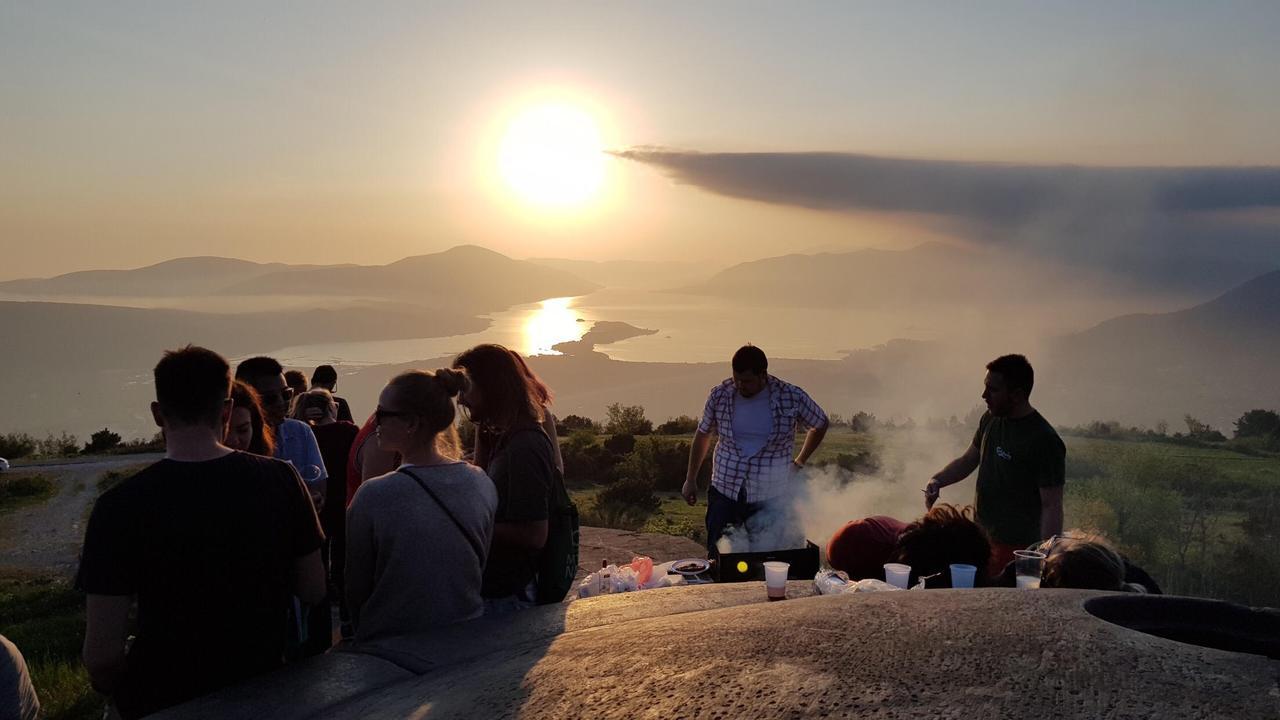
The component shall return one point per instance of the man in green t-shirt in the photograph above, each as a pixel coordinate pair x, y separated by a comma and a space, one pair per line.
1021, 464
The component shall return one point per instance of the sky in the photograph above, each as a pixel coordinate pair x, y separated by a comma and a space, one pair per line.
136, 132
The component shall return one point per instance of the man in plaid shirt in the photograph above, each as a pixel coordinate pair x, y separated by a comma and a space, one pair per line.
755, 416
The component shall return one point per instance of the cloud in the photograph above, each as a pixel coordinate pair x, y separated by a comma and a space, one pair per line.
1157, 220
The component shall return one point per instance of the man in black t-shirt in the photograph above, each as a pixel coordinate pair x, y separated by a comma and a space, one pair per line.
210, 542
1021, 464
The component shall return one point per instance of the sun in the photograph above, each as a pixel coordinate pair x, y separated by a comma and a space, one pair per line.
552, 156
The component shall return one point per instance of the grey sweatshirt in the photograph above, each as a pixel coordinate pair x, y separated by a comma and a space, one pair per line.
409, 567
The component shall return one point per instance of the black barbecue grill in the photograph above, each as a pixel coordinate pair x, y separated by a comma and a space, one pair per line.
739, 567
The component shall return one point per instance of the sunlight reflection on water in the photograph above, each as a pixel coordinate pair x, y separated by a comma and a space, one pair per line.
554, 322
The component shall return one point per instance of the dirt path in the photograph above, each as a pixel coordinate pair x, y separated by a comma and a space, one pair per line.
48, 536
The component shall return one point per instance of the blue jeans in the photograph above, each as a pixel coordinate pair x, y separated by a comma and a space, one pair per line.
723, 510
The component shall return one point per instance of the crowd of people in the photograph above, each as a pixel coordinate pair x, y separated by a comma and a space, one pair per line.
275, 526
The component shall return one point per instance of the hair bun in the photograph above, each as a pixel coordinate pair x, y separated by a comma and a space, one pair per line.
453, 381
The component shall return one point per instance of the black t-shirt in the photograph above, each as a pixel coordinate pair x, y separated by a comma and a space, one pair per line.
344, 410
208, 550
1018, 457
522, 470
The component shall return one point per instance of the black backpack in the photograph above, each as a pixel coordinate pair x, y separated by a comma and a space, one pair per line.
558, 561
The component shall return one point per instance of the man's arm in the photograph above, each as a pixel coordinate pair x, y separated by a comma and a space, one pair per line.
106, 626
1050, 511
954, 472
697, 454
308, 578
812, 440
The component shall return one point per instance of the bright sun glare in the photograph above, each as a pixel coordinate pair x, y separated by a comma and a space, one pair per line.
552, 156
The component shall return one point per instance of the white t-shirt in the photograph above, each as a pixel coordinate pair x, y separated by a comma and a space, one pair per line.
752, 422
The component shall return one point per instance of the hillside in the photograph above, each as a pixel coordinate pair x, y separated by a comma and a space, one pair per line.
463, 277
180, 277
1220, 354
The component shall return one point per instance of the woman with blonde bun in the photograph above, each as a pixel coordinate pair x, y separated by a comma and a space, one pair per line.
418, 537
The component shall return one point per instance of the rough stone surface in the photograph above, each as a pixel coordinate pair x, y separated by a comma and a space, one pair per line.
720, 651
619, 546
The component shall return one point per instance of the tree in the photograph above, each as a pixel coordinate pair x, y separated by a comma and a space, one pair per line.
862, 422
101, 441
620, 444
1257, 423
628, 420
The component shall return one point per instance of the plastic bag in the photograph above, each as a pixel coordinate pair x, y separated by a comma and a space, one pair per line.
831, 582
871, 585
643, 565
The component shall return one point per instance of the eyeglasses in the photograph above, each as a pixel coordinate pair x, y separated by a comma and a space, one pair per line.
381, 414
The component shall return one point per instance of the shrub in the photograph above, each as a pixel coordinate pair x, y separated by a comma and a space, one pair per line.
626, 504
572, 423
1257, 423
683, 425
16, 445
64, 444
101, 441
620, 444
862, 422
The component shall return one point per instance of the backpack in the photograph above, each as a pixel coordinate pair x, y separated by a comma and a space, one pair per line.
557, 565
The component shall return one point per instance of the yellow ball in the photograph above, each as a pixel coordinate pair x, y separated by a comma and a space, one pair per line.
742, 566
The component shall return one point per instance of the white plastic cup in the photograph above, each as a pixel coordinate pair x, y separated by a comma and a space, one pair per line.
962, 575
897, 574
775, 579
1028, 566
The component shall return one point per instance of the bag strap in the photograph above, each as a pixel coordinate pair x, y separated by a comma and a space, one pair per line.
475, 545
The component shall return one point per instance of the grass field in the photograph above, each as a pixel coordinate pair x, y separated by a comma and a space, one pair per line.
44, 617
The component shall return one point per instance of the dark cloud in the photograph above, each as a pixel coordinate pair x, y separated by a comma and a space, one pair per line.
1159, 222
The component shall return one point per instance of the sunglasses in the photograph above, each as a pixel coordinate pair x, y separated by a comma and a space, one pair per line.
381, 414
284, 395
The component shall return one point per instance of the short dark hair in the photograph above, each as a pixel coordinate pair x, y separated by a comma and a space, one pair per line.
750, 358
258, 367
192, 384
1015, 370
324, 374
945, 535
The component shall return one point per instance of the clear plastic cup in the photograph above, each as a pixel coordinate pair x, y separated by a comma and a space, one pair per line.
962, 575
775, 579
1027, 567
897, 574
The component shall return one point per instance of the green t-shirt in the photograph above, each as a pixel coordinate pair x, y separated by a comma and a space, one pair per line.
1018, 458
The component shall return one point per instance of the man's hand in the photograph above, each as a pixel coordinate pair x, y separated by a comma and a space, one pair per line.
690, 492
931, 493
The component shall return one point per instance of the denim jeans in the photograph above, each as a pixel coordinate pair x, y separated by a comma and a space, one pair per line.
722, 511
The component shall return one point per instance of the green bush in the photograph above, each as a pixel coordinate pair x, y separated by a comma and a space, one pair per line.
102, 441
683, 425
16, 445
626, 504
18, 490
627, 420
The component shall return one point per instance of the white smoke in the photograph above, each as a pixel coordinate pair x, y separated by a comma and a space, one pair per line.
825, 498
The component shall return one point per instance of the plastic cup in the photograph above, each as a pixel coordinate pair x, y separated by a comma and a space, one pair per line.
962, 575
1027, 567
897, 574
775, 579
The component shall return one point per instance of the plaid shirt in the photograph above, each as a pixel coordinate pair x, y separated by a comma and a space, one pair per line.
766, 474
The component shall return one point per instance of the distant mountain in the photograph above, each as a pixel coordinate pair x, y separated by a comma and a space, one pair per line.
1218, 358
463, 277
180, 277
632, 274
930, 273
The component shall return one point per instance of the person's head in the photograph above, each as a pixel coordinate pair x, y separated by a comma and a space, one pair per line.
750, 370
1008, 384
1083, 561
193, 388
267, 377
315, 406
501, 393
248, 430
325, 377
296, 380
416, 407
860, 547
945, 535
